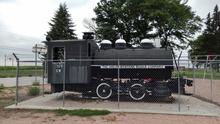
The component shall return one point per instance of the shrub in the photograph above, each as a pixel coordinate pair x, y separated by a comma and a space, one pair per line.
34, 91
2, 86
36, 83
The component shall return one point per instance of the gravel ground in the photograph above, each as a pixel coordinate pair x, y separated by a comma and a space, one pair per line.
19, 117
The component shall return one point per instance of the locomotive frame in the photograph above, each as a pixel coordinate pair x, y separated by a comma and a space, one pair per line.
86, 68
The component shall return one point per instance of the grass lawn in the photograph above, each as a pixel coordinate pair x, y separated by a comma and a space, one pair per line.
10, 71
82, 112
198, 74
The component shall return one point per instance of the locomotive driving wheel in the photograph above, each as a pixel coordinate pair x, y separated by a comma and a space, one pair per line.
104, 91
137, 91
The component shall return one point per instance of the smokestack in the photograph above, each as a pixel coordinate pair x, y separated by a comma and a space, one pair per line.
88, 35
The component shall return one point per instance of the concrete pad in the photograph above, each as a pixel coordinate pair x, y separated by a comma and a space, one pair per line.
188, 105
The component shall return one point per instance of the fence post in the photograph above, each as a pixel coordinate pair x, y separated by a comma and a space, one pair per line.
17, 76
178, 71
206, 65
178, 89
44, 68
35, 63
17, 80
211, 88
194, 81
64, 81
118, 84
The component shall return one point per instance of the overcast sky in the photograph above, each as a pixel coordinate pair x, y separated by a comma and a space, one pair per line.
24, 22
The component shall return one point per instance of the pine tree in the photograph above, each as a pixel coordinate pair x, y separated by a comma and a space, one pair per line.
209, 27
61, 25
208, 43
215, 19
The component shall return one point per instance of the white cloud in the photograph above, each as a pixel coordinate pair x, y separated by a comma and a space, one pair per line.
203, 7
82, 12
17, 40
26, 17
31, 17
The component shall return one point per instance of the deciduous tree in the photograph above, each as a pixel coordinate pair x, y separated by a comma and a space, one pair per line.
172, 21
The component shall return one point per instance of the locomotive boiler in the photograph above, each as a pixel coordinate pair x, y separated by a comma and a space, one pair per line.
106, 71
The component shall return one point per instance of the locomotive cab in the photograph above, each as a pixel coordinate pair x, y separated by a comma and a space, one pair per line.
65, 65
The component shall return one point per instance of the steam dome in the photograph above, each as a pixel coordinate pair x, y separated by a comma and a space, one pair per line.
120, 41
147, 44
147, 41
120, 44
106, 44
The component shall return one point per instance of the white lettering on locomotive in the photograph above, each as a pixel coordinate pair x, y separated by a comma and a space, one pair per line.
131, 66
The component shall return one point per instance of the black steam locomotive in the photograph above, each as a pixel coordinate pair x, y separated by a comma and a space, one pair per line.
83, 66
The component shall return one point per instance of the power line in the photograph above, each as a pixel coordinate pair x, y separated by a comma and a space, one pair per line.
14, 48
24, 54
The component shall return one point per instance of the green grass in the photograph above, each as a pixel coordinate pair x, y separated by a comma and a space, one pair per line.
33, 91
10, 71
198, 74
21, 67
1, 87
82, 112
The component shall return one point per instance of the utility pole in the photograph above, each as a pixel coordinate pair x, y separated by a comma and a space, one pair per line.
37, 49
5, 59
11, 59
36, 63
12, 62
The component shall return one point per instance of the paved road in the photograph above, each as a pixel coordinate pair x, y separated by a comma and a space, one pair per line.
23, 81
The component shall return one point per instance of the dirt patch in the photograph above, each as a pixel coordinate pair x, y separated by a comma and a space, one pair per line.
34, 117
7, 97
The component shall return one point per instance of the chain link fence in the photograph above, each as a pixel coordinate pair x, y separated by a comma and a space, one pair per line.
120, 85
206, 78
30, 80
